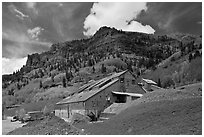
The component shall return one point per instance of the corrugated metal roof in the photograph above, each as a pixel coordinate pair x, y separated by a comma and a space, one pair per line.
99, 82
86, 86
128, 94
83, 96
149, 81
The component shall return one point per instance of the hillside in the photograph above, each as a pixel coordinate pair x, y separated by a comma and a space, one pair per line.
106, 43
177, 72
57, 73
169, 112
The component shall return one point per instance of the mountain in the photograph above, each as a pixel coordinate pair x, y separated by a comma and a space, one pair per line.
79, 61
106, 42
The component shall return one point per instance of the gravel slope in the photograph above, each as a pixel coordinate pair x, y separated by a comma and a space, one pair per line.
51, 125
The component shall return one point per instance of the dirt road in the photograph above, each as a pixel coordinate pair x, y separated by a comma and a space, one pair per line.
8, 126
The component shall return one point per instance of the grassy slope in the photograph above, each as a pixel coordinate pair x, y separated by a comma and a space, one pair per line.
167, 112
37, 106
194, 70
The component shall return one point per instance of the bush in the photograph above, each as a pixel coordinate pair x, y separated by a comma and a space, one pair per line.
167, 82
21, 114
48, 109
9, 100
172, 59
195, 70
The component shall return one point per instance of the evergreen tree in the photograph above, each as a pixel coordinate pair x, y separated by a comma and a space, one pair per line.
64, 82
69, 75
159, 83
11, 92
90, 62
18, 86
93, 69
40, 84
40, 73
197, 54
129, 67
52, 78
190, 57
103, 69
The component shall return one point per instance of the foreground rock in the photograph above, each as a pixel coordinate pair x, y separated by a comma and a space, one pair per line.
50, 125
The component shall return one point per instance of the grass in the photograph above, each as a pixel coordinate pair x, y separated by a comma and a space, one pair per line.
167, 112
54, 92
192, 71
36, 106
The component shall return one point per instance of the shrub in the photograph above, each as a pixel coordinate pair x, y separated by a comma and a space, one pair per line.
195, 70
48, 109
159, 83
172, 59
167, 82
21, 113
176, 78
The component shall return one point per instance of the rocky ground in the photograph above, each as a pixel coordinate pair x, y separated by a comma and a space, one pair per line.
50, 125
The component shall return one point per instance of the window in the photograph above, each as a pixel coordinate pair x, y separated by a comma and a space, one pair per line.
104, 83
121, 80
133, 82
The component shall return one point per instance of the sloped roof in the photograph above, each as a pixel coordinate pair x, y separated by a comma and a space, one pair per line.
100, 81
128, 94
149, 81
83, 96
86, 85
114, 75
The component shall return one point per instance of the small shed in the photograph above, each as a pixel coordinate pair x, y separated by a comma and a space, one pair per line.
147, 83
128, 96
35, 114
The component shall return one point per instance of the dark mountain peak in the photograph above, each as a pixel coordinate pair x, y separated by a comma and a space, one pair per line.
105, 30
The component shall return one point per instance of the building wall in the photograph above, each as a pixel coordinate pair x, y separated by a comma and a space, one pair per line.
101, 100
68, 110
129, 99
97, 103
77, 107
147, 86
61, 111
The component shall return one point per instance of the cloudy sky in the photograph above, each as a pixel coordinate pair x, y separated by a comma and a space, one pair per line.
33, 27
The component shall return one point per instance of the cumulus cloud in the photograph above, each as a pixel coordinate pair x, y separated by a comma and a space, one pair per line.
118, 15
11, 65
35, 32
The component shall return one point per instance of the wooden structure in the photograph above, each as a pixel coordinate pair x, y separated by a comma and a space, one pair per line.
94, 97
147, 83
